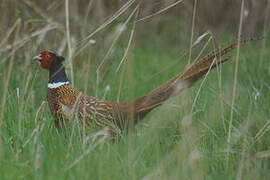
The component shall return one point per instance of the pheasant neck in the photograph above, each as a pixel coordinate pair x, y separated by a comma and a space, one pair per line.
57, 76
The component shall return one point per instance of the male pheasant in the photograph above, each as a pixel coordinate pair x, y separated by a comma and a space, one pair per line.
66, 102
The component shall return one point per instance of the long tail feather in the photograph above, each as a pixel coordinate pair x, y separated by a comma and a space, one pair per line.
182, 81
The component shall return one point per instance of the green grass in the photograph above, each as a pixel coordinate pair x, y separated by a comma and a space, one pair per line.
173, 142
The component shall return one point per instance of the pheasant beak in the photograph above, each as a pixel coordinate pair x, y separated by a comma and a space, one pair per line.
37, 58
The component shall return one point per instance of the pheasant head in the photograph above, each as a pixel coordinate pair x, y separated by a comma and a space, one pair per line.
48, 59
53, 62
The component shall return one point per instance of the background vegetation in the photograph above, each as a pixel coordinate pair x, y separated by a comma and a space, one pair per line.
118, 50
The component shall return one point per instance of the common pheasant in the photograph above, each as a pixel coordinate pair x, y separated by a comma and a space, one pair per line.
66, 102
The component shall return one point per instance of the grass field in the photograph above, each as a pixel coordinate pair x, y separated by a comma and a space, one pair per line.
186, 138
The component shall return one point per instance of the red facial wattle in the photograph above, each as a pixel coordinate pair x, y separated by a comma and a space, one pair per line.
45, 59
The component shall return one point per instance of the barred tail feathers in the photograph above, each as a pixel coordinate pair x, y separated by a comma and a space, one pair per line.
145, 104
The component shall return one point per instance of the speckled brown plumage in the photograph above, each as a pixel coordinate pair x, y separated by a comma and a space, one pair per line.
66, 102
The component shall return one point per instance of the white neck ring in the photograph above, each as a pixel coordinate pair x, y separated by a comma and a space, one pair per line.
56, 85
